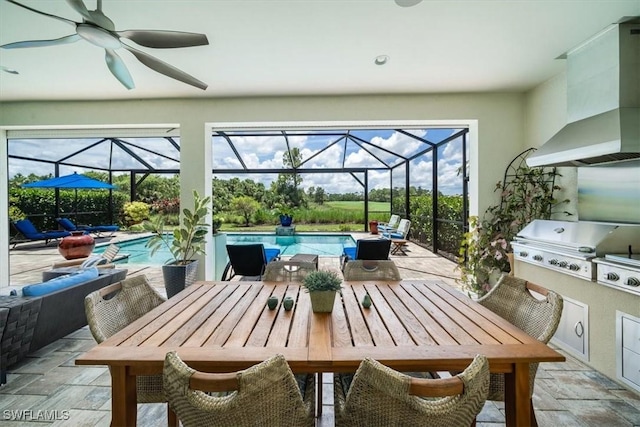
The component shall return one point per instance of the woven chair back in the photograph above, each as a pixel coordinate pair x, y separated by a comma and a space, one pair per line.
126, 301
112, 308
539, 318
287, 271
267, 395
371, 270
380, 396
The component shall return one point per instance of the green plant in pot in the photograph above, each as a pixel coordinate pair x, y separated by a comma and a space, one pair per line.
322, 286
485, 252
186, 241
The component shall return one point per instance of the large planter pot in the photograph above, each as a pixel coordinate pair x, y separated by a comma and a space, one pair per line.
78, 245
322, 301
286, 220
178, 277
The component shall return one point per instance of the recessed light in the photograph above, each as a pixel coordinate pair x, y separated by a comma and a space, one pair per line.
381, 59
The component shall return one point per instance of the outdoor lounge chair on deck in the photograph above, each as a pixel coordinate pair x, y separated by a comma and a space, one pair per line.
103, 260
30, 232
401, 232
248, 260
68, 225
367, 249
389, 226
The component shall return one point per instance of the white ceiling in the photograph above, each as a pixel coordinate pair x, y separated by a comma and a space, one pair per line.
307, 47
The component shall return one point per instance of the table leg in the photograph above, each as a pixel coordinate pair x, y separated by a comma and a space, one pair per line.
123, 397
516, 396
318, 394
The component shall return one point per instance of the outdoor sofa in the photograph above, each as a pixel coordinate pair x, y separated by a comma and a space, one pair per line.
46, 312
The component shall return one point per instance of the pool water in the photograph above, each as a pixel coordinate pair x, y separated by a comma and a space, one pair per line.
317, 244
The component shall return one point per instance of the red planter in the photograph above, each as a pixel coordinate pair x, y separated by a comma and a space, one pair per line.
78, 245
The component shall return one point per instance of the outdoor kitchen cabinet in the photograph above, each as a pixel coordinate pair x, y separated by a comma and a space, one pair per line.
573, 330
628, 349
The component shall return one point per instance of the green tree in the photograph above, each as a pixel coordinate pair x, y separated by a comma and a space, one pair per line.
319, 196
285, 190
245, 206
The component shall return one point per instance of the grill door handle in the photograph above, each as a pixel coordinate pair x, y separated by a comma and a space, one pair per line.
575, 329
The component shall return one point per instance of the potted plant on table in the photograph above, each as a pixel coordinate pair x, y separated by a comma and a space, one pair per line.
186, 241
322, 286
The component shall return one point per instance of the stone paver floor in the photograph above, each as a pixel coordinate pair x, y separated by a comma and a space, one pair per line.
566, 394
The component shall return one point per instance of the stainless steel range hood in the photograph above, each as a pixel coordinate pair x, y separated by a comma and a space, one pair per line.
603, 102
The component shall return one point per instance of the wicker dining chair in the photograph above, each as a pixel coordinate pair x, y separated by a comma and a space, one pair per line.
112, 308
265, 394
371, 270
287, 271
379, 396
512, 300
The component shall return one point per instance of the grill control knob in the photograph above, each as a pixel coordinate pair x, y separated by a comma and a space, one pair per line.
563, 264
612, 276
537, 257
632, 281
553, 261
524, 254
574, 267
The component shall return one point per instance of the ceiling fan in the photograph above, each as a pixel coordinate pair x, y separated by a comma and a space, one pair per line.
98, 29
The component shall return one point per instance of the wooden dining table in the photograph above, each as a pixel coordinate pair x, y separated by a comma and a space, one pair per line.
410, 326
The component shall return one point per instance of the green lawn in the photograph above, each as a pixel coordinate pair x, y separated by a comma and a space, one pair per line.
355, 205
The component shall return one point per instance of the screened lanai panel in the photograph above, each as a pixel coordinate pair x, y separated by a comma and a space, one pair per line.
253, 150
116, 154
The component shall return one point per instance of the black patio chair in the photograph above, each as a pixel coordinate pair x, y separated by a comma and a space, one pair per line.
249, 261
367, 249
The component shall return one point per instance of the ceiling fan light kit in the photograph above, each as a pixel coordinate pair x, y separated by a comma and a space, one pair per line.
381, 59
99, 30
407, 3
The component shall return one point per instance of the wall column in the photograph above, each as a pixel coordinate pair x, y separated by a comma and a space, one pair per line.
4, 210
195, 174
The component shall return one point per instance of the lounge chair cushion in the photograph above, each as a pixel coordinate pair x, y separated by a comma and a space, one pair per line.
271, 253
350, 253
68, 280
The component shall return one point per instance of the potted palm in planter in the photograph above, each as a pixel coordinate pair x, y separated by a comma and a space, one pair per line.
184, 243
322, 286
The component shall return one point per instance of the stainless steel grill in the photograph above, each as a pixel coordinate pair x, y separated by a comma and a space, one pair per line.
570, 247
620, 271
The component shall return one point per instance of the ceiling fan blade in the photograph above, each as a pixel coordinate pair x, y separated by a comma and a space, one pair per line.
93, 16
42, 43
79, 6
68, 21
118, 68
164, 39
164, 68
8, 70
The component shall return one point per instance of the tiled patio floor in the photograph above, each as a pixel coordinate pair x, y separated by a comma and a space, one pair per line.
567, 394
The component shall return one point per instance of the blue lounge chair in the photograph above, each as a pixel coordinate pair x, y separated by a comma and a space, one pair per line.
367, 249
30, 232
248, 260
68, 225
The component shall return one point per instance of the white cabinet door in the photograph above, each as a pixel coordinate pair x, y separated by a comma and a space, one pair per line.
573, 330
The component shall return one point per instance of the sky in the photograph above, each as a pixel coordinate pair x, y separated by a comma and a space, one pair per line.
266, 152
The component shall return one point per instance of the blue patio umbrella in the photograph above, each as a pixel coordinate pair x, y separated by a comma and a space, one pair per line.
73, 181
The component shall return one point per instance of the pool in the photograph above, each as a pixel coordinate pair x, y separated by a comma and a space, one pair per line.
317, 244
